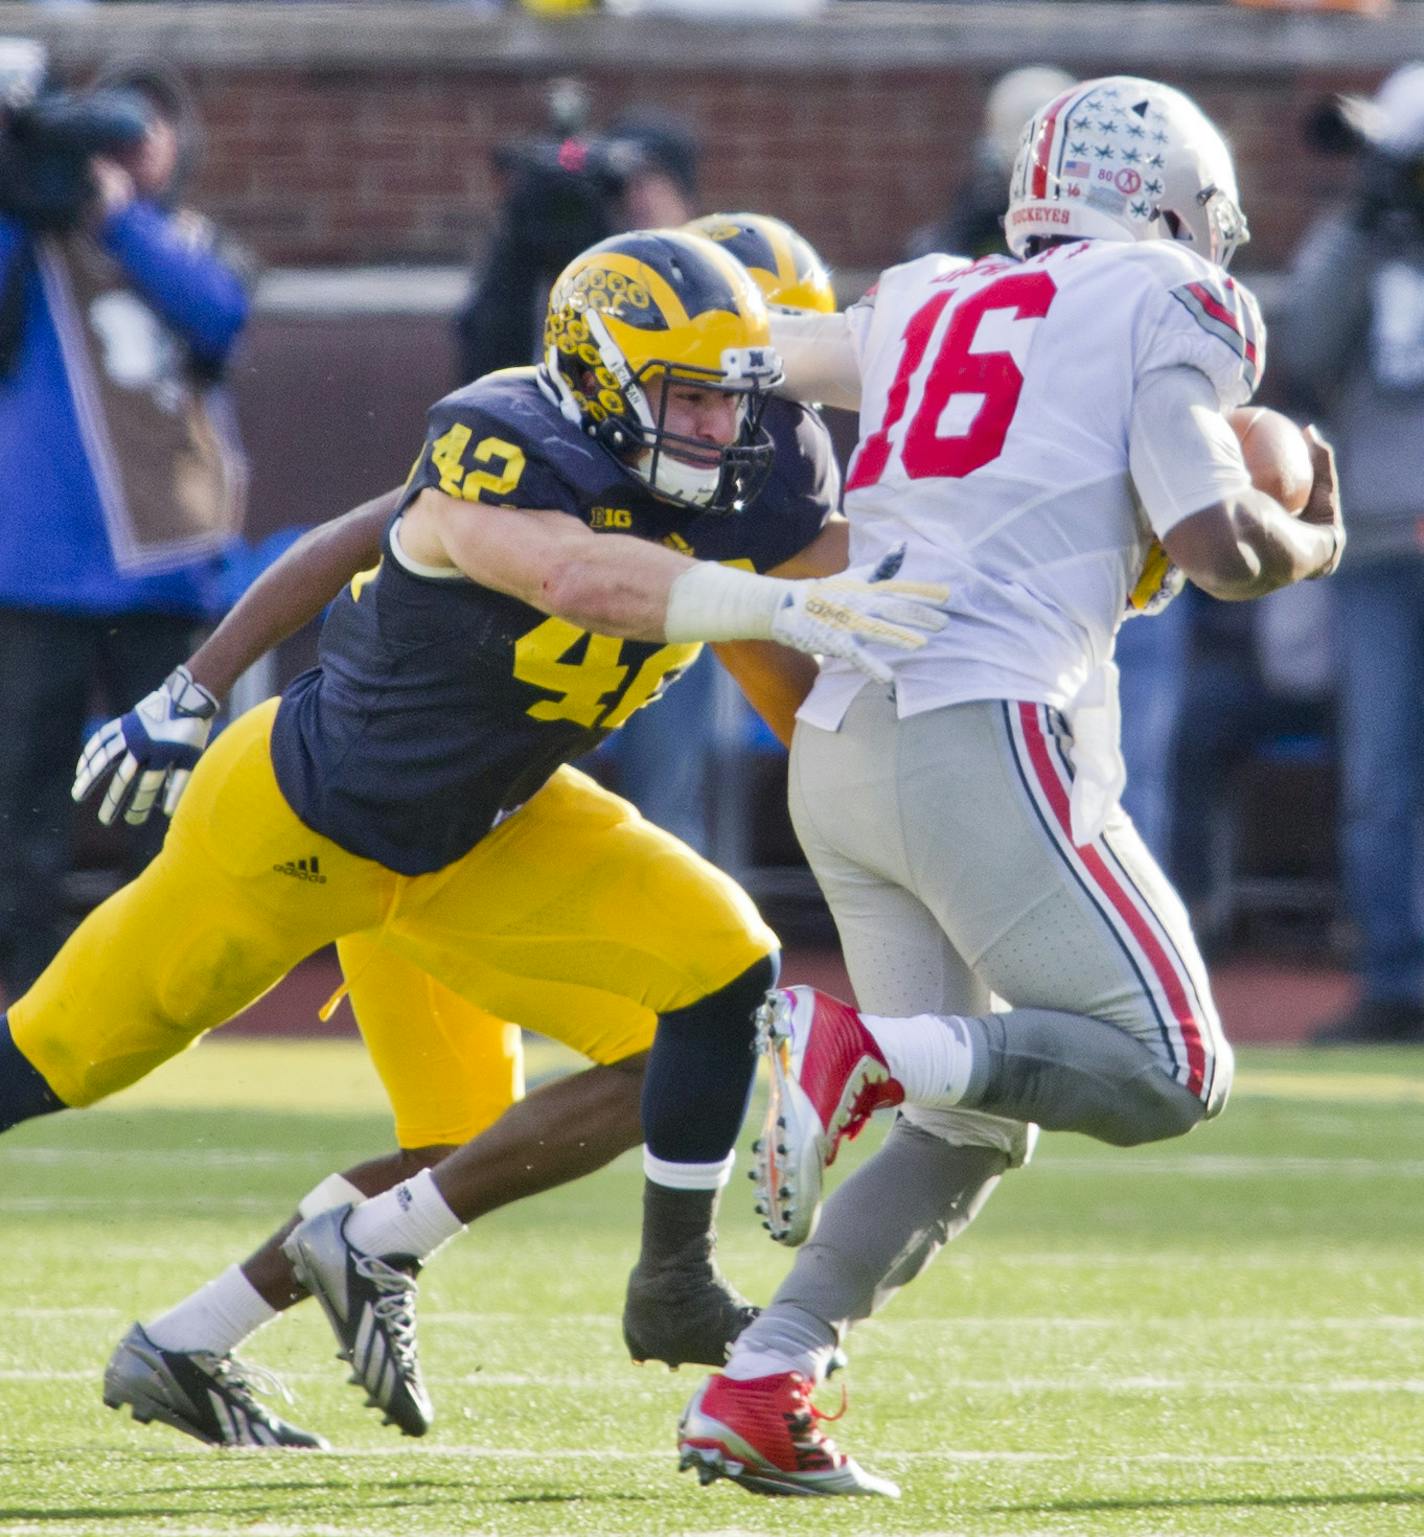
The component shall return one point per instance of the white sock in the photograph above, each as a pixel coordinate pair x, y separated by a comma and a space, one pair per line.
688, 1176
930, 1054
217, 1317
747, 1365
412, 1218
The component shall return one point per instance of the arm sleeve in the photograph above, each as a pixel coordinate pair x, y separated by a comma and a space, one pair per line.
196, 292
819, 355
1181, 450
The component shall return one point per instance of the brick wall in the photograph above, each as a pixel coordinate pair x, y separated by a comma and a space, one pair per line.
357, 134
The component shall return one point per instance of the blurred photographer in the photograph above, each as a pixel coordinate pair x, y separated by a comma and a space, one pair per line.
117, 315
563, 194
1350, 346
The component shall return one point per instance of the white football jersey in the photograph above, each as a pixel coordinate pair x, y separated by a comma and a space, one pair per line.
995, 406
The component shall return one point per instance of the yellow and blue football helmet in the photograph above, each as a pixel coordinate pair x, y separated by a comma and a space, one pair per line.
783, 265
663, 305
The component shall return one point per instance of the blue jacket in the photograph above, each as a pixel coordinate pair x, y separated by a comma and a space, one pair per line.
54, 549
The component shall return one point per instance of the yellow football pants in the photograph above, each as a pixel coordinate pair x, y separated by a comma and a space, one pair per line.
574, 917
450, 1068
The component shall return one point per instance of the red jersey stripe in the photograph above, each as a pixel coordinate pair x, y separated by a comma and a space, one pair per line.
1219, 312
1120, 900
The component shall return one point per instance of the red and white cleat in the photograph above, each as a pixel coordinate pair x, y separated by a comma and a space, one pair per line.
763, 1435
827, 1077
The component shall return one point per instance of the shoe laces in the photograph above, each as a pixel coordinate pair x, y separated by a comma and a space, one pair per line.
242, 1379
395, 1308
804, 1421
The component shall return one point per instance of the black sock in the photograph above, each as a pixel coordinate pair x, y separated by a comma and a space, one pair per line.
700, 1071
679, 1226
23, 1092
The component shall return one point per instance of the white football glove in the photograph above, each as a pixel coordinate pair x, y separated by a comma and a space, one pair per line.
841, 615
160, 739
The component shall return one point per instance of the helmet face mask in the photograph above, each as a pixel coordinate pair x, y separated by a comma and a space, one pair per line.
633, 318
1125, 159
691, 471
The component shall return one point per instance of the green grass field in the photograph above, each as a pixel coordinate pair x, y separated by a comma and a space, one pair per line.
1220, 1335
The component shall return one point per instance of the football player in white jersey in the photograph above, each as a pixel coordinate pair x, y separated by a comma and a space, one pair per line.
1037, 429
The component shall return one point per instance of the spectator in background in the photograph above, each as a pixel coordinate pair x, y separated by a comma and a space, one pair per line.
562, 195
974, 225
117, 315
1351, 342
1254, 681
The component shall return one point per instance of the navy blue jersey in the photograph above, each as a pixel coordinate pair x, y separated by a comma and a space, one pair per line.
438, 704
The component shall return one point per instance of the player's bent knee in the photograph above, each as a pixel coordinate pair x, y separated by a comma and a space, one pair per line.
24, 1091
731, 1009
1151, 1108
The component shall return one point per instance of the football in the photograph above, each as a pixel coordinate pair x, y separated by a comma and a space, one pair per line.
1276, 453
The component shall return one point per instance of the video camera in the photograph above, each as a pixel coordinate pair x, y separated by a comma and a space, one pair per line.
564, 187
1391, 177
48, 137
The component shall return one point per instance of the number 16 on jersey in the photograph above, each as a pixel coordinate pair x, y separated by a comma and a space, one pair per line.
972, 371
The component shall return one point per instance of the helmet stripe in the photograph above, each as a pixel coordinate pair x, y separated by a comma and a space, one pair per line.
666, 296
783, 258
1049, 136
1047, 127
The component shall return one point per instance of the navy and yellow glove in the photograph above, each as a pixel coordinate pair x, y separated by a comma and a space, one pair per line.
155, 745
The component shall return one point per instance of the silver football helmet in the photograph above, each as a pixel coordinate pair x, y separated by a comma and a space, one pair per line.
1125, 159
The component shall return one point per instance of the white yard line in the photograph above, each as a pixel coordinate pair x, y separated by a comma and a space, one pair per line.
564, 1454
30, 1205
220, 1157
1203, 1383
1205, 1165
1244, 1323
1230, 1166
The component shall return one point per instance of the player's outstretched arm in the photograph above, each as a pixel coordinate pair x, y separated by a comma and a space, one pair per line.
818, 358
291, 591
616, 584
152, 749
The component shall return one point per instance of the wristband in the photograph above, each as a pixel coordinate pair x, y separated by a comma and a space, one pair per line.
712, 602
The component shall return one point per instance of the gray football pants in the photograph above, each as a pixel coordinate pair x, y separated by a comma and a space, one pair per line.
941, 844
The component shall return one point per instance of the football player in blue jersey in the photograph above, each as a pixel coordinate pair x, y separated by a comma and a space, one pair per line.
567, 535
